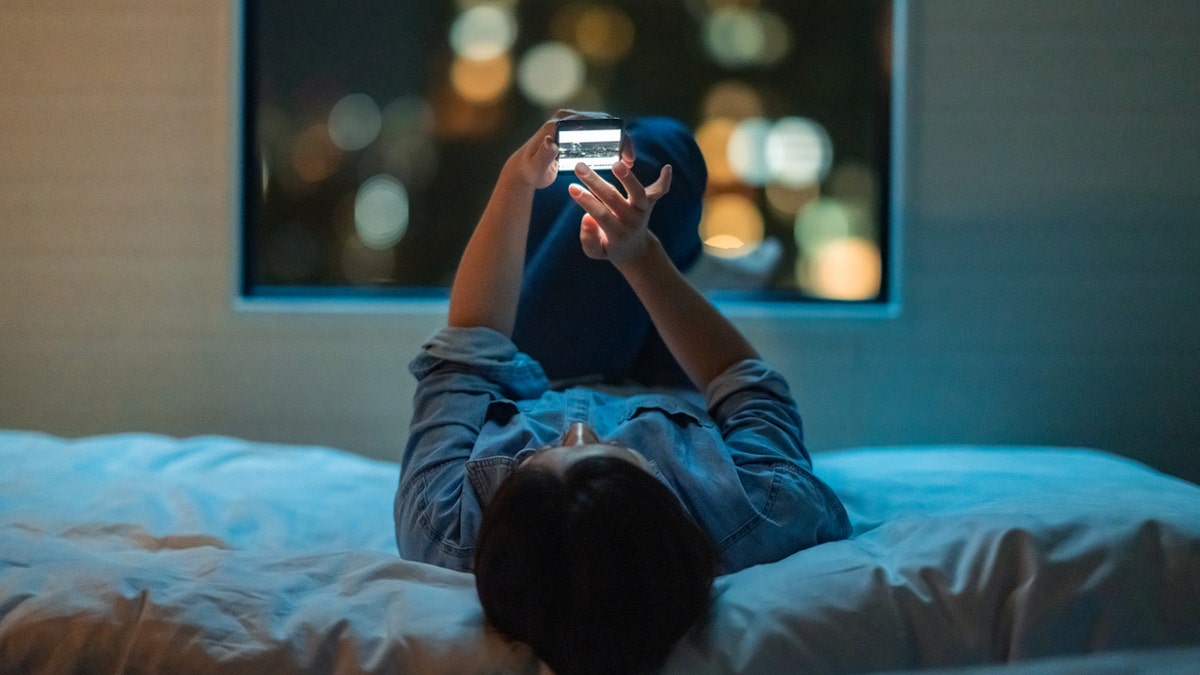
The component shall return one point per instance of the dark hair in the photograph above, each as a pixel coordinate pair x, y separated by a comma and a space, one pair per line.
599, 570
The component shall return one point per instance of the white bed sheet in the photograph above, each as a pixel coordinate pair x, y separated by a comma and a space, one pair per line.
143, 553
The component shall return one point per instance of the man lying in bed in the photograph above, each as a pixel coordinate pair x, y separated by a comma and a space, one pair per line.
590, 436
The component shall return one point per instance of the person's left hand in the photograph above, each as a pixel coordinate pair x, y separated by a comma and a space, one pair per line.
614, 227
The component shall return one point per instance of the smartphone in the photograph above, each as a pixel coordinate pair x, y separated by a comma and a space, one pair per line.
596, 143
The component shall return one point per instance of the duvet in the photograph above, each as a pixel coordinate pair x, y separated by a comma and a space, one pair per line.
143, 553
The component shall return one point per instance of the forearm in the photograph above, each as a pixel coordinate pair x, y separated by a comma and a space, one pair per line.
487, 285
702, 340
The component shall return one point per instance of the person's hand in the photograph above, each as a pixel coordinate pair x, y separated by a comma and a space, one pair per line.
536, 161
614, 226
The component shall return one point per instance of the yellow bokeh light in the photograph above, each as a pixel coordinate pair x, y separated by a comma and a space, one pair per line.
713, 139
733, 99
456, 118
732, 224
849, 268
787, 200
603, 33
481, 81
314, 156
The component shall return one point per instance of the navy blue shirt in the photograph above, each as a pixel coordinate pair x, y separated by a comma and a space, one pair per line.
734, 456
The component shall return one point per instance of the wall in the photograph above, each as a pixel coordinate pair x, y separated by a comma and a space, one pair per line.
1050, 280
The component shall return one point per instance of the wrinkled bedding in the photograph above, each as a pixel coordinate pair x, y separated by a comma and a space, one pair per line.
142, 553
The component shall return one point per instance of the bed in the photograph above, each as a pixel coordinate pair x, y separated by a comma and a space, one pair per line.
143, 553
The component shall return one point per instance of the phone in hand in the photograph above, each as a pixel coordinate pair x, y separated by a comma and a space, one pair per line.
595, 142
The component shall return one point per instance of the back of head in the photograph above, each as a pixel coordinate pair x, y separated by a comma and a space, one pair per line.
599, 570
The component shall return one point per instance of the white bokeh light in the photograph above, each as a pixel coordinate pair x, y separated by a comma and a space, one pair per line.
483, 32
551, 73
381, 212
739, 37
748, 151
798, 152
354, 122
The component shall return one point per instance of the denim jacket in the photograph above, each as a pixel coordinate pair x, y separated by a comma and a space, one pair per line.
734, 457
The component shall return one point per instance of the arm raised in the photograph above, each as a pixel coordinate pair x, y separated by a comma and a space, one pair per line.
615, 228
487, 284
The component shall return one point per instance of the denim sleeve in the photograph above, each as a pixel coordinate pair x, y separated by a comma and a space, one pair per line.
481, 353
460, 373
753, 406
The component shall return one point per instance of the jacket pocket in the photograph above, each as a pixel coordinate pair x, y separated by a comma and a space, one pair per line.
682, 413
486, 475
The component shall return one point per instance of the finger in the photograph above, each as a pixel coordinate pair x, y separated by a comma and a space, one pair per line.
548, 147
602, 190
644, 198
628, 151
601, 215
592, 238
662, 186
541, 145
633, 187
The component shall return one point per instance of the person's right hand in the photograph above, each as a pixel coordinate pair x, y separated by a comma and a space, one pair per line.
535, 163
615, 225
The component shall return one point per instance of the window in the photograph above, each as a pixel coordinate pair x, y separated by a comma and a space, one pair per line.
372, 133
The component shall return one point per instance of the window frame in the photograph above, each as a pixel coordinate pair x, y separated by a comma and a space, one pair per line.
435, 300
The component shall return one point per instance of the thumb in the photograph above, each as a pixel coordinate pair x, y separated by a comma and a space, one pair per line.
662, 186
592, 238
546, 156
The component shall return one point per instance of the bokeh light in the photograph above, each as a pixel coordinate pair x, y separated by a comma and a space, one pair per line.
314, 157
483, 32
732, 224
739, 37
798, 152
823, 221
551, 73
377, 157
456, 119
838, 259
786, 201
481, 81
381, 211
713, 139
748, 151
354, 122
733, 99
603, 33
408, 151
849, 268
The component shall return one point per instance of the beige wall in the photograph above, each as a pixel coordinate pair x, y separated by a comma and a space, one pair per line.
1050, 283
